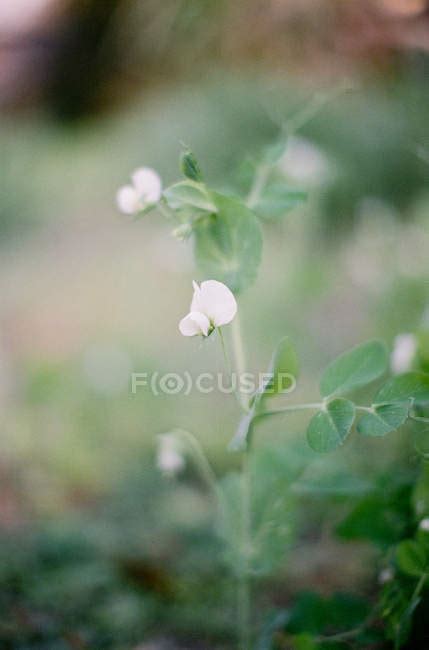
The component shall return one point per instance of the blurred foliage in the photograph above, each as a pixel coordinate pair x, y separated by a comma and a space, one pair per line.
96, 549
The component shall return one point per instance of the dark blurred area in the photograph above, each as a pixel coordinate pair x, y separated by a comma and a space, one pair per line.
79, 58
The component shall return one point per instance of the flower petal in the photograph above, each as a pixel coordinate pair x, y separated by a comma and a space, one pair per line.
127, 200
194, 323
148, 184
216, 301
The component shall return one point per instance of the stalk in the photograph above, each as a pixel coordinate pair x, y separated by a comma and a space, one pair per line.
244, 599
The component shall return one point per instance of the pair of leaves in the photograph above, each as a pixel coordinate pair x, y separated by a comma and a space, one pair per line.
393, 401
329, 428
355, 368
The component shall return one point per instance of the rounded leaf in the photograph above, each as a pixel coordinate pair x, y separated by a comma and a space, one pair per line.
329, 428
412, 558
384, 419
404, 388
355, 368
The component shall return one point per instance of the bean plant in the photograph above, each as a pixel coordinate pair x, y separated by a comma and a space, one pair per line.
227, 234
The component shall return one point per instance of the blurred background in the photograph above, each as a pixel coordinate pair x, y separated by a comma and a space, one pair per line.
97, 548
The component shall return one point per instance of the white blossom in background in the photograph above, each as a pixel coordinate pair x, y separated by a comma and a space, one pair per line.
304, 162
145, 190
424, 525
213, 305
404, 350
170, 459
386, 575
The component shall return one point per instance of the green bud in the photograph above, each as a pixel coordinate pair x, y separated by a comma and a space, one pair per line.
190, 166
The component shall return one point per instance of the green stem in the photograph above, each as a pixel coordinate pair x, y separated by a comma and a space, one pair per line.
418, 418
419, 587
259, 182
244, 587
228, 365
314, 406
244, 600
240, 359
200, 458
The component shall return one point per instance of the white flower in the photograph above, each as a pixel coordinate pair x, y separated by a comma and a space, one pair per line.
170, 459
404, 350
213, 305
303, 162
386, 575
424, 525
144, 191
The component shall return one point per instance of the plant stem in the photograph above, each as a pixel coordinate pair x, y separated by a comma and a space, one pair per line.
224, 352
259, 182
240, 359
244, 587
418, 418
419, 587
303, 407
200, 458
228, 366
244, 602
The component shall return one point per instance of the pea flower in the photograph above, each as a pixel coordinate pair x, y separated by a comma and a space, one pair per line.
386, 575
404, 350
213, 305
424, 525
170, 459
144, 191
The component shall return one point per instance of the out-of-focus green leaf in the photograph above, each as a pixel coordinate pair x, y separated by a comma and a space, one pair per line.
228, 244
277, 200
284, 368
355, 368
412, 557
329, 428
189, 194
403, 388
380, 517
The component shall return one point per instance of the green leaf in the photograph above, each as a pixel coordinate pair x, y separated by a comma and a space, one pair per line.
412, 558
384, 419
284, 368
189, 194
277, 200
190, 166
403, 388
354, 368
380, 517
228, 245
329, 428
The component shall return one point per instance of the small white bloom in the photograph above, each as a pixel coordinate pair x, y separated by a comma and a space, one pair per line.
213, 305
386, 575
404, 350
145, 190
170, 459
304, 162
424, 525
